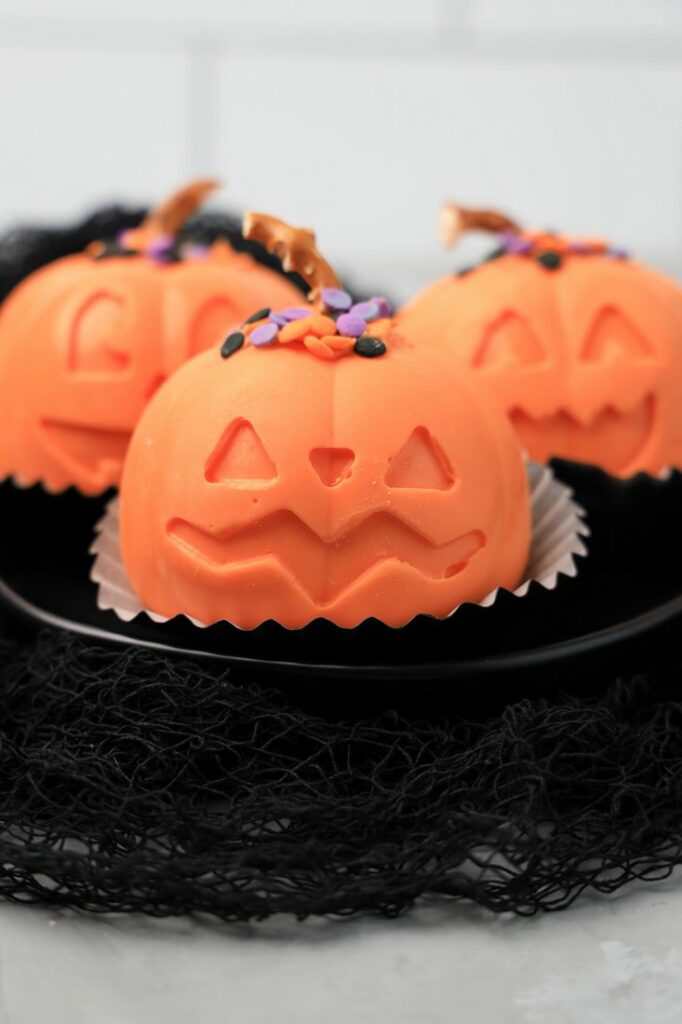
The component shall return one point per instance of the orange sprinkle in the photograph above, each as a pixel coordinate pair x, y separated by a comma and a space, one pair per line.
339, 342
316, 324
545, 241
594, 244
380, 328
319, 348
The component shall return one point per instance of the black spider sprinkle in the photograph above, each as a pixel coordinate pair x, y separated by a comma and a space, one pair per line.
232, 344
110, 247
260, 315
369, 347
549, 260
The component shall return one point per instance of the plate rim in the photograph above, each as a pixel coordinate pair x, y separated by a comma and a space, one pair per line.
534, 657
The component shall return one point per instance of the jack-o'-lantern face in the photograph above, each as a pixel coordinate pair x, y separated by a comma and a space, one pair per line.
278, 485
86, 341
314, 468
584, 354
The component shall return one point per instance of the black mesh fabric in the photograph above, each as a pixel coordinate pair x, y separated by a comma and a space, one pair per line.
26, 248
130, 782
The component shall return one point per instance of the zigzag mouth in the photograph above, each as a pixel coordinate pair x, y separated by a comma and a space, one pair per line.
95, 452
614, 437
325, 568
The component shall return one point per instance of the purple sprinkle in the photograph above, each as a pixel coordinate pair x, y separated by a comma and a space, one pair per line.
159, 248
619, 254
277, 318
515, 244
191, 251
351, 325
336, 299
383, 305
367, 310
264, 335
579, 247
295, 313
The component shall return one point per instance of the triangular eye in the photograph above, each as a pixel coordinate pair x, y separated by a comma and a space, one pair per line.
95, 336
508, 340
332, 465
211, 324
610, 334
422, 463
239, 456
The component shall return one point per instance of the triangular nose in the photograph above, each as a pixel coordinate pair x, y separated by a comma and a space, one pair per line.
332, 465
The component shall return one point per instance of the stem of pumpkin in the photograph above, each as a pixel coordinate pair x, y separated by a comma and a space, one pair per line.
295, 247
168, 218
456, 220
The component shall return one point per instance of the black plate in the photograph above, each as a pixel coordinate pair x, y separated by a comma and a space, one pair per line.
626, 598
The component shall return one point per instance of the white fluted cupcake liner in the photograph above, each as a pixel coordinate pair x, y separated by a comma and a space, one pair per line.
558, 532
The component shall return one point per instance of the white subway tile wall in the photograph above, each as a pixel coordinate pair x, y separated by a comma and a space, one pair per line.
356, 118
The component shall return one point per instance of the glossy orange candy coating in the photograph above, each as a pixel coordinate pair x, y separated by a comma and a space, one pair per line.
276, 485
586, 359
85, 342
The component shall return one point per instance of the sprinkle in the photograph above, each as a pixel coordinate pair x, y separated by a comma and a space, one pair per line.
277, 318
320, 348
351, 324
515, 244
264, 335
339, 342
385, 308
112, 248
369, 347
260, 315
158, 249
549, 260
594, 244
161, 243
336, 298
316, 324
367, 310
619, 254
294, 313
193, 251
170, 255
232, 344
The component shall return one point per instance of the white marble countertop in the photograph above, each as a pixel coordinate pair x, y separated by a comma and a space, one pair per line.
604, 960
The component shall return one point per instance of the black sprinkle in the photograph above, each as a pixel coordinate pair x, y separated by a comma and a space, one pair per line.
232, 344
260, 315
550, 260
463, 271
110, 247
369, 347
495, 254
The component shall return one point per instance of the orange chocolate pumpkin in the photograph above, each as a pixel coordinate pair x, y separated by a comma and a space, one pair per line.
86, 340
581, 347
284, 479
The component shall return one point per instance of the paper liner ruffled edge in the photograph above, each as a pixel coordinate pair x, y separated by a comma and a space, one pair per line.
557, 538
